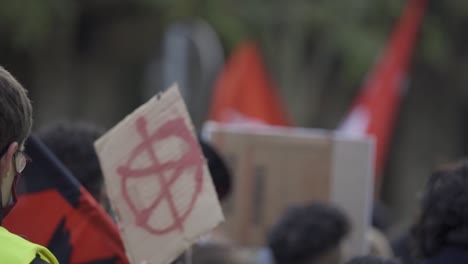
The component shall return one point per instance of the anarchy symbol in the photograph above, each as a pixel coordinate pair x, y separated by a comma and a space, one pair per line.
192, 158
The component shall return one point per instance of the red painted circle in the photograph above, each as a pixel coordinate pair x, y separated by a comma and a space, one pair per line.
192, 158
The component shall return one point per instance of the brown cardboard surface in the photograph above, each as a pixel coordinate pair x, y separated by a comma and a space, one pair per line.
158, 181
276, 167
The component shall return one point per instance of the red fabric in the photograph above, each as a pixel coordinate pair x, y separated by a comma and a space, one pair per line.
93, 236
381, 94
55, 211
244, 87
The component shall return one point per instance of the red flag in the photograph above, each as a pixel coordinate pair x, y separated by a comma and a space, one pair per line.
376, 107
244, 90
53, 210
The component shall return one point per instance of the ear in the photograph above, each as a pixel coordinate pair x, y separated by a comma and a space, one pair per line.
6, 160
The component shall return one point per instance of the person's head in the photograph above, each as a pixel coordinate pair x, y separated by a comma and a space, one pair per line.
218, 170
309, 234
72, 143
208, 253
15, 127
443, 219
381, 217
371, 260
213, 253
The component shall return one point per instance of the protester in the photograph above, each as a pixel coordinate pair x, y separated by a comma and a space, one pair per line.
309, 234
213, 248
382, 218
403, 248
441, 231
73, 144
371, 260
212, 253
221, 177
66, 217
220, 174
15, 126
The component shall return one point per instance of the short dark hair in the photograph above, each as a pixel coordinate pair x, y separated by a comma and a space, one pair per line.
219, 171
73, 144
305, 233
371, 260
15, 111
443, 220
213, 253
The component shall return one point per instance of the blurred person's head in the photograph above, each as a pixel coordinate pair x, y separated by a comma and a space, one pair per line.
213, 253
443, 220
309, 234
72, 143
15, 126
218, 170
371, 260
208, 253
381, 216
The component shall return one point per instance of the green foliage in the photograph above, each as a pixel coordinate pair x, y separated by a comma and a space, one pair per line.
354, 30
435, 43
358, 49
28, 22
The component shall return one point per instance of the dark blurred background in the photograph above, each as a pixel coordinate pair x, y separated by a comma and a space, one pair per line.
98, 60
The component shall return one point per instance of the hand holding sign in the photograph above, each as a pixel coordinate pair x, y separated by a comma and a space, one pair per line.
158, 181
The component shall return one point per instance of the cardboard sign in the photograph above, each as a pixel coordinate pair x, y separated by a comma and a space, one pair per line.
157, 180
275, 168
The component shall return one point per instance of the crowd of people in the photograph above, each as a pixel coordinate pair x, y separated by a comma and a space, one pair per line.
309, 233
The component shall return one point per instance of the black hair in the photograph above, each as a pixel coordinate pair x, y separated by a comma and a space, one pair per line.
381, 216
444, 211
73, 144
219, 172
305, 233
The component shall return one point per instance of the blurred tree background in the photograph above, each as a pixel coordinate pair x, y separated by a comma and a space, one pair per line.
86, 60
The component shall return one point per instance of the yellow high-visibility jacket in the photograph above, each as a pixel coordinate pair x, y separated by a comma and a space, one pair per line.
15, 249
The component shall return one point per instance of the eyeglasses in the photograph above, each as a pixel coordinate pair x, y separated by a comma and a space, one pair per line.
21, 160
